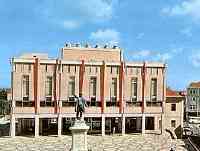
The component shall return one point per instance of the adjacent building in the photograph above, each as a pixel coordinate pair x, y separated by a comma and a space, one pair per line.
193, 100
174, 111
122, 96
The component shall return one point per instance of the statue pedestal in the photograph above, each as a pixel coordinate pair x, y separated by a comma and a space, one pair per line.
79, 136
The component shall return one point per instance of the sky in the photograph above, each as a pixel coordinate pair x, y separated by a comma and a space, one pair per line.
162, 30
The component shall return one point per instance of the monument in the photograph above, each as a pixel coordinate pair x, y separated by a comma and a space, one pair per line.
79, 129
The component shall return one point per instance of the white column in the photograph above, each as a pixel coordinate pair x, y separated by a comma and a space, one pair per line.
123, 124
12, 126
103, 125
59, 125
36, 125
143, 123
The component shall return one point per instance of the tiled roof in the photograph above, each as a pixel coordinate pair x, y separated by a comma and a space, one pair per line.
195, 84
172, 93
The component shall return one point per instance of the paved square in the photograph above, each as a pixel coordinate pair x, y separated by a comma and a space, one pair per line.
149, 142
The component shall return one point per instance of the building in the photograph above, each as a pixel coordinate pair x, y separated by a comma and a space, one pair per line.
122, 96
174, 111
193, 99
193, 107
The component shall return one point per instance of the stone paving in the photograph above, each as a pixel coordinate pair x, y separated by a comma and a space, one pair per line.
148, 142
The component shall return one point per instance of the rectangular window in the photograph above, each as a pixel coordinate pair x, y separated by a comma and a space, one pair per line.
93, 86
173, 123
134, 89
114, 90
173, 107
49, 86
71, 86
25, 83
46, 68
68, 69
153, 89
29, 67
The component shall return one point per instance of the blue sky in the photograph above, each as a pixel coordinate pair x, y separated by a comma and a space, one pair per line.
158, 30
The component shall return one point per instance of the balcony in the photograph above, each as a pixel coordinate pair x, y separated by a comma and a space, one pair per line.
133, 106
112, 105
154, 103
154, 106
24, 106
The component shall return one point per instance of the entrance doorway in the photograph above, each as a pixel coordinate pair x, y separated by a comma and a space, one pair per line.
149, 123
133, 125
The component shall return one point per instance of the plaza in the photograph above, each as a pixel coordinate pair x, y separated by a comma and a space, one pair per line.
131, 142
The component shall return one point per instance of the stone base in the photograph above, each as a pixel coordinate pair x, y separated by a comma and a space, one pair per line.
79, 136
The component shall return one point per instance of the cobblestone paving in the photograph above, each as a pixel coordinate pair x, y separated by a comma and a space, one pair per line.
95, 143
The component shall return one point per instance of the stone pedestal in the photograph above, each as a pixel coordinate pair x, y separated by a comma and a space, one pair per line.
79, 136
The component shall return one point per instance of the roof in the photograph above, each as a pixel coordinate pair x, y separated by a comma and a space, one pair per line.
172, 93
195, 84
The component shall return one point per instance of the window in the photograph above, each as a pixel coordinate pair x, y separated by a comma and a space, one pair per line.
134, 89
93, 86
154, 71
96, 69
111, 69
46, 68
173, 123
173, 107
68, 70
71, 86
48, 87
25, 83
29, 67
153, 89
192, 107
114, 90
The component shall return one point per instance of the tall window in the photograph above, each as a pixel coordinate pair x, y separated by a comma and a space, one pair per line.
71, 86
173, 123
48, 87
25, 83
93, 86
153, 89
173, 107
134, 89
114, 89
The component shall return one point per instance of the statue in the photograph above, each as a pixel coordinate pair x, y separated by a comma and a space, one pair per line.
80, 106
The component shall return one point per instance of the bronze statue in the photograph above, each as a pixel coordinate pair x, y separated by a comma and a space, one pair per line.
80, 106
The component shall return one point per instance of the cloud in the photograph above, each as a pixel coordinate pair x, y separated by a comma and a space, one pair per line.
163, 56
98, 9
195, 59
153, 55
190, 8
140, 36
70, 12
186, 31
70, 24
110, 36
141, 54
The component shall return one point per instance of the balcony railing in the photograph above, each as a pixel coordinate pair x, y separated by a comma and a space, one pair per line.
47, 103
154, 103
23, 103
133, 103
112, 102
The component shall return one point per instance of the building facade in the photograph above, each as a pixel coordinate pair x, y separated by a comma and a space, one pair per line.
174, 111
121, 96
193, 100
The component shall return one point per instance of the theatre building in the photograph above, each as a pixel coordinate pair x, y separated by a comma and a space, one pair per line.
122, 97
